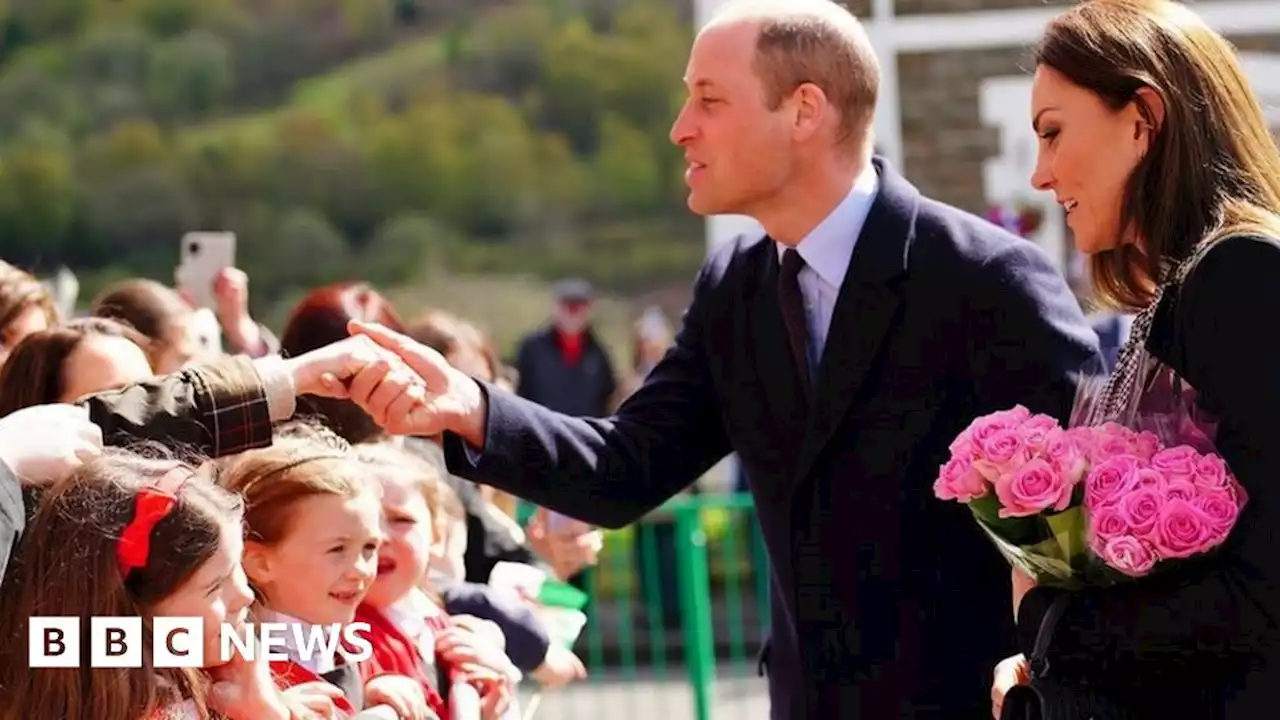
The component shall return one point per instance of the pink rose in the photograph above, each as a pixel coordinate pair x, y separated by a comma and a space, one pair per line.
1177, 463
1036, 486
1183, 530
984, 427
1110, 480
1222, 510
1211, 473
1104, 524
1180, 490
1106, 446
1150, 478
964, 447
957, 480
1129, 555
1002, 453
1140, 508
1146, 445
1037, 430
1064, 451
1012, 417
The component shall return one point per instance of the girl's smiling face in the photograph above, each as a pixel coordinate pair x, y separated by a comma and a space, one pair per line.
323, 566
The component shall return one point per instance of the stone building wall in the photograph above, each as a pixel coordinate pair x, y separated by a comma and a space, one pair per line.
945, 142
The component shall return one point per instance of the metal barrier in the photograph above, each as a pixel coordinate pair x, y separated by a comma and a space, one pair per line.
679, 606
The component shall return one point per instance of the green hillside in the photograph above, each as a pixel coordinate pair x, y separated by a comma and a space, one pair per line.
347, 138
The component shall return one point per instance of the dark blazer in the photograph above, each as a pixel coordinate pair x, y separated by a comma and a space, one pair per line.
886, 603
1202, 641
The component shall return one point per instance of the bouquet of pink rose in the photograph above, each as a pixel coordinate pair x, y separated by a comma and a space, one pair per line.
1088, 505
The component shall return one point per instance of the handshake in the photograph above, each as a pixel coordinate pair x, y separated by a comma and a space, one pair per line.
406, 387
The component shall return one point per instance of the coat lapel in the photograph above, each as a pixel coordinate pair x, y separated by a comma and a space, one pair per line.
865, 310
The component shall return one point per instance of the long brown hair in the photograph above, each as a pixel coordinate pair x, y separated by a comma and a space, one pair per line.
19, 291
34, 374
154, 310
1212, 170
66, 566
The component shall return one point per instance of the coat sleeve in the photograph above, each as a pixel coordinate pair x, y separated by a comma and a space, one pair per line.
612, 471
213, 410
1029, 340
1214, 610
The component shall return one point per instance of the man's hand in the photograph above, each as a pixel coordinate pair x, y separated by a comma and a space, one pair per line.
429, 399
45, 442
328, 370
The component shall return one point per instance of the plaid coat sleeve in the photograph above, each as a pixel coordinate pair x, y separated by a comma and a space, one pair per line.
211, 411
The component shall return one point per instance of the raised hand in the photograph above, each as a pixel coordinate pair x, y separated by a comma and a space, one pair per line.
43, 443
426, 396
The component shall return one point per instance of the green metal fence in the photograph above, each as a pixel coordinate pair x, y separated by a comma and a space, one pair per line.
679, 606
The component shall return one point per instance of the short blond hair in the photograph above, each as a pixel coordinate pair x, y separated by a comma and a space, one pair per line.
818, 42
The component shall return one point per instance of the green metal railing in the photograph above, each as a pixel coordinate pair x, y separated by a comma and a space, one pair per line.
679, 604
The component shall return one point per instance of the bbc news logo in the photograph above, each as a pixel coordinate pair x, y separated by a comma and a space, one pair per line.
178, 642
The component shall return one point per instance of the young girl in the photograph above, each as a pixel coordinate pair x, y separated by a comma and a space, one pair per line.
312, 529
413, 633
128, 536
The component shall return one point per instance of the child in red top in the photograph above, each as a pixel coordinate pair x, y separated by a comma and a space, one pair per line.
414, 634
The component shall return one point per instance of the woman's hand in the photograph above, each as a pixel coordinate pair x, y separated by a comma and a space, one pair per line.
1010, 672
402, 694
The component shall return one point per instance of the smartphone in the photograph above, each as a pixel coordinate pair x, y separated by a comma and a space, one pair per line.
204, 255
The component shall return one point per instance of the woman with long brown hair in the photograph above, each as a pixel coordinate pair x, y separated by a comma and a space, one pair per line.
1159, 153
67, 362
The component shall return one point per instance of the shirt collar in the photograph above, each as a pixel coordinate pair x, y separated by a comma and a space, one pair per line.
319, 662
828, 248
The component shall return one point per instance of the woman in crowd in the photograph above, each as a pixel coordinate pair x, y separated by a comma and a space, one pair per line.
320, 319
25, 307
160, 314
1153, 142
67, 362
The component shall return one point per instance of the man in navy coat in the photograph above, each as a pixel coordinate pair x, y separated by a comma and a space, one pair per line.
838, 357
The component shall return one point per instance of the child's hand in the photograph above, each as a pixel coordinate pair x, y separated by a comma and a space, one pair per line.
460, 646
400, 693
495, 689
560, 667
244, 690
313, 701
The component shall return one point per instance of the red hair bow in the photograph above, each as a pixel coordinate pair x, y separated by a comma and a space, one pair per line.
153, 504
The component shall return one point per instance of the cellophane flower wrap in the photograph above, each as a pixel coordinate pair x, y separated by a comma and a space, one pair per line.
1113, 496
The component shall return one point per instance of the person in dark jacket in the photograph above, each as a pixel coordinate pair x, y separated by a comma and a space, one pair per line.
1132, 98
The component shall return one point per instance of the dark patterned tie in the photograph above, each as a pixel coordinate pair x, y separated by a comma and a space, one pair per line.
793, 315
